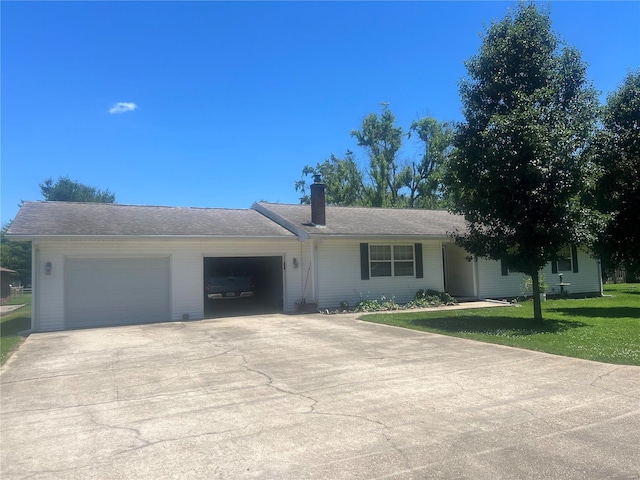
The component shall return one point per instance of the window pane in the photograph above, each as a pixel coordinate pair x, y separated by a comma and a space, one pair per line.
564, 265
380, 252
403, 269
403, 252
380, 269
564, 262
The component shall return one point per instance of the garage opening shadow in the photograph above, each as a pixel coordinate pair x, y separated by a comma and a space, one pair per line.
258, 286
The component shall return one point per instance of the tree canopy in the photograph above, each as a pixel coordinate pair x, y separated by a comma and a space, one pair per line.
381, 139
67, 190
616, 152
424, 177
517, 171
387, 180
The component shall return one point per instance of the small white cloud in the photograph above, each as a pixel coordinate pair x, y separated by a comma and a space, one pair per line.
122, 107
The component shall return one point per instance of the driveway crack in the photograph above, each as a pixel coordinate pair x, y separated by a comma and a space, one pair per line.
313, 408
602, 376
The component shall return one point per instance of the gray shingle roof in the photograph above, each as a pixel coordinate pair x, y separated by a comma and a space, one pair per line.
361, 221
36, 219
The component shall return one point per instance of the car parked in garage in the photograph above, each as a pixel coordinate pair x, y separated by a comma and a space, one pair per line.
229, 282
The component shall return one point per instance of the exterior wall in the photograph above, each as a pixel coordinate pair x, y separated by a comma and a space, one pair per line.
587, 280
306, 274
186, 264
460, 272
328, 272
338, 274
492, 284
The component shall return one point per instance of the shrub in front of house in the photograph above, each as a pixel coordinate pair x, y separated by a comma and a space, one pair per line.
422, 299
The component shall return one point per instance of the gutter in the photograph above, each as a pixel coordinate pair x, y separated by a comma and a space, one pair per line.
398, 236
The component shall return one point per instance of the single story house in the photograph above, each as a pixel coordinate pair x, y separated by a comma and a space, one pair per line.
111, 264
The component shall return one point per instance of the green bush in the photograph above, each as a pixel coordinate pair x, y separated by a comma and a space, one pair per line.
527, 285
422, 299
382, 305
433, 298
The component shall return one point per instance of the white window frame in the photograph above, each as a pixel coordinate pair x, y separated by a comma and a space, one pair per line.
392, 260
565, 256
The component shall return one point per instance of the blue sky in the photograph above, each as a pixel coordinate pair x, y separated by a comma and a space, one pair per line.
223, 104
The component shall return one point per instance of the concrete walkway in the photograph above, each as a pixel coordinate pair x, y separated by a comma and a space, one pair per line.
4, 309
309, 397
441, 308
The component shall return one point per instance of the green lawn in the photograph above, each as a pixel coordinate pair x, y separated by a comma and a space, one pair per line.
605, 329
12, 323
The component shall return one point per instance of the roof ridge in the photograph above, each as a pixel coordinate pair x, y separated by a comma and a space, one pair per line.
360, 207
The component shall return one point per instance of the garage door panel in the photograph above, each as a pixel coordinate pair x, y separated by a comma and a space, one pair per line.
119, 291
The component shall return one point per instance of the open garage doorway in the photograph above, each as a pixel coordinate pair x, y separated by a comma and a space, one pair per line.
236, 286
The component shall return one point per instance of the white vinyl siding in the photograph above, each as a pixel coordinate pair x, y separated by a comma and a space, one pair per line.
186, 258
116, 291
492, 284
339, 274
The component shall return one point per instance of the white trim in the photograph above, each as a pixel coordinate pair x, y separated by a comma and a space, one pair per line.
35, 284
474, 267
392, 261
444, 280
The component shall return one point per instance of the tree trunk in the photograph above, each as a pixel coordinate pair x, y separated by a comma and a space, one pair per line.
537, 304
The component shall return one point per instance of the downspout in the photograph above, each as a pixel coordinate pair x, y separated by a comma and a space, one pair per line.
301, 269
600, 277
314, 271
474, 270
443, 261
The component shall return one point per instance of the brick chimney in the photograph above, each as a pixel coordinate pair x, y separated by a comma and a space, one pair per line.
318, 202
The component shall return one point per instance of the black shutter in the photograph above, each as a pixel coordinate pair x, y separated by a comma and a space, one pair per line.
364, 261
504, 268
418, 253
554, 266
574, 259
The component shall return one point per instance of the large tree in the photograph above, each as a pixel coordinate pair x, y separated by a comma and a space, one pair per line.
67, 190
423, 178
381, 139
616, 151
345, 185
517, 172
386, 181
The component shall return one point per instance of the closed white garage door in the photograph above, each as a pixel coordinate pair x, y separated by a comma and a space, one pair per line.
116, 291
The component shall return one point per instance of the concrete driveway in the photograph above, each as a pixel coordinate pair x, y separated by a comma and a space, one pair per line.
319, 397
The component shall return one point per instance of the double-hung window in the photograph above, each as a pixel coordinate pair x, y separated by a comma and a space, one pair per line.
392, 260
564, 260
567, 261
